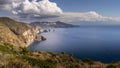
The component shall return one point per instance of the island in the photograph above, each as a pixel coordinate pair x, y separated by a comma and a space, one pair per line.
57, 24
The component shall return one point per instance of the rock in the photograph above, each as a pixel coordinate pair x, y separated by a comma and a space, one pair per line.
43, 38
18, 33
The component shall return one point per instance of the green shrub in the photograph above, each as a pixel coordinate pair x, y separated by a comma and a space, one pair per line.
50, 60
89, 61
73, 66
64, 58
7, 47
38, 62
24, 50
16, 64
111, 66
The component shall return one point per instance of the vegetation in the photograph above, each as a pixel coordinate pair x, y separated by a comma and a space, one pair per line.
21, 57
24, 50
73, 66
89, 61
16, 64
38, 62
13, 55
111, 66
7, 48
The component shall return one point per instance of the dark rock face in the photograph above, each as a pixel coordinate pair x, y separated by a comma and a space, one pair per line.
57, 24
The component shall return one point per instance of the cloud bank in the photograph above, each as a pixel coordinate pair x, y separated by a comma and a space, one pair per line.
45, 10
90, 16
31, 8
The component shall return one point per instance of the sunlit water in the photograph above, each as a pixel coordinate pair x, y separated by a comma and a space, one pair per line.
98, 43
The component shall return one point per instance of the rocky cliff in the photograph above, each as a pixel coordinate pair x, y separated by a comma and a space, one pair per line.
18, 33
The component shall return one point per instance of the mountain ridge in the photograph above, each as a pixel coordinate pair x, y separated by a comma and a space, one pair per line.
57, 24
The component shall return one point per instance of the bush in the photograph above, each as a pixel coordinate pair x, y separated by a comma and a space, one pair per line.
16, 64
50, 60
111, 66
73, 66
8, 48
24, 50
89, 61
38, 62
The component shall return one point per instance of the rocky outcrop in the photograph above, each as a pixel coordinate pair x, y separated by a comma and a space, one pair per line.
18, 33
32, 35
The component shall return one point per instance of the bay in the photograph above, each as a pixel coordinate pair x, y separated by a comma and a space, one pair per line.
100, 43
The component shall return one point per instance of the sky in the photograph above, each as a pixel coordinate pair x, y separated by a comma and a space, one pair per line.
105, 7
62, 10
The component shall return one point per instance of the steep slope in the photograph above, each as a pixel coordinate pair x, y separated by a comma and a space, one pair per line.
17, 33
12, 57
6, 35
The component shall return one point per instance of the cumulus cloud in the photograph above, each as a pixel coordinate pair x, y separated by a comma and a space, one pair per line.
33, 8
44, 10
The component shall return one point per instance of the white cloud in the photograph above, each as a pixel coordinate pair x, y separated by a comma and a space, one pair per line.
34, 8
7, 4
82, 16
49, 11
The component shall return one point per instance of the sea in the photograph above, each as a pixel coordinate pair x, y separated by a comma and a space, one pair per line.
99, 43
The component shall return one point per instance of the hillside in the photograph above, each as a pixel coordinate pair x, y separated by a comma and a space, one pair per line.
17, 33
57, 24
12, 57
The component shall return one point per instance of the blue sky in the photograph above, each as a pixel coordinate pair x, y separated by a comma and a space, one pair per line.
104, 7
65, 10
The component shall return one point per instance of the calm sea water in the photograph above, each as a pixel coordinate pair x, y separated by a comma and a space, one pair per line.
101, 43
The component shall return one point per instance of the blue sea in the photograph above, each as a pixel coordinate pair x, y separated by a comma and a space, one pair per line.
100, 43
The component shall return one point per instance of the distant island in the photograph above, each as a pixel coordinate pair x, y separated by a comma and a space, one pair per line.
57, 24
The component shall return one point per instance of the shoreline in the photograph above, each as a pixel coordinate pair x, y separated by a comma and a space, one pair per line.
99, 59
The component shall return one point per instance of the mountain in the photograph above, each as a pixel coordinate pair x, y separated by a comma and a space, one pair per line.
57, 24
17, 33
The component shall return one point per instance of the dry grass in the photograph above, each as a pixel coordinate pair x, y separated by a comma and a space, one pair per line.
10, 57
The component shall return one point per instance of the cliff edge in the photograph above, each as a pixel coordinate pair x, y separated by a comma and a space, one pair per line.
18, 33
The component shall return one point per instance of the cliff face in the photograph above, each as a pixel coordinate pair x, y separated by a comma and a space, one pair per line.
17, 33
31, 35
